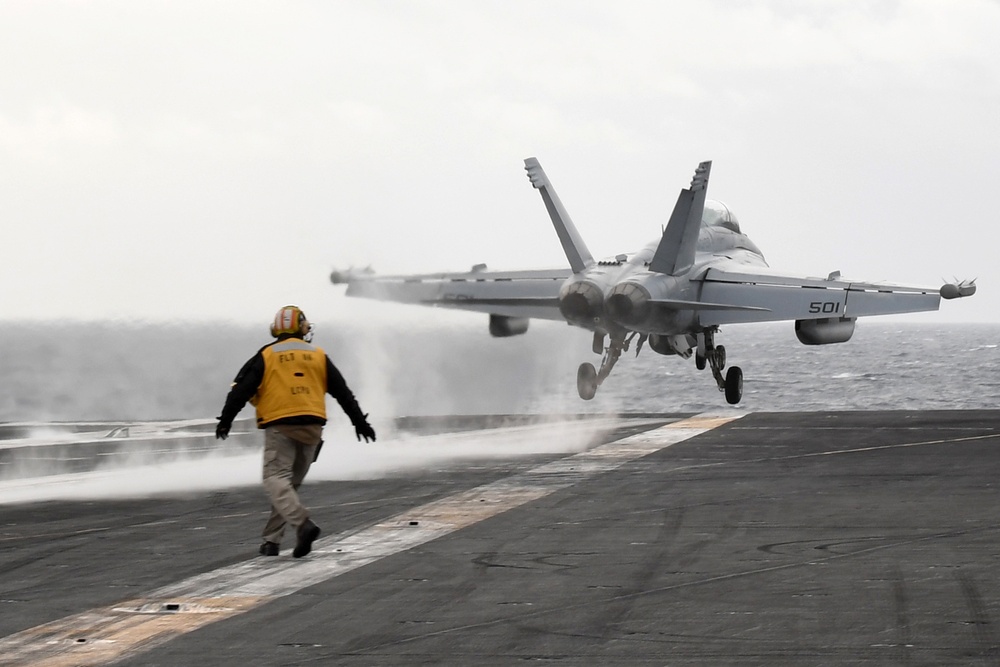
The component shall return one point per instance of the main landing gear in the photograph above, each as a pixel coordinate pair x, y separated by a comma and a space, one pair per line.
588, 378
715, 356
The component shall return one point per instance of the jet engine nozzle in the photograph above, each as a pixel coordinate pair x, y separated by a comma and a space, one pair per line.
628, 303
581, 302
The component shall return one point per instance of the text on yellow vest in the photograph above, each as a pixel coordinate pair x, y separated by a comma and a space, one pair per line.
294, 382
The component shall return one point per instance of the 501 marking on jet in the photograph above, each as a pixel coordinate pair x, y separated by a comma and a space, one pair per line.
674, 294
826, 307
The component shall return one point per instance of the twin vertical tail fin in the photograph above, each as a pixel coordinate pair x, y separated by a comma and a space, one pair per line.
675, 254
576, 250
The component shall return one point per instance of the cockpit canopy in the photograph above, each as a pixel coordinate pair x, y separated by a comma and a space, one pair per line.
718, 214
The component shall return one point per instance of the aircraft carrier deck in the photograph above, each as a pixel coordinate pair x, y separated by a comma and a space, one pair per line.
749, 539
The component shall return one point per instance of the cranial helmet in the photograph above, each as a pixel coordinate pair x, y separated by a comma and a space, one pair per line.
291, 321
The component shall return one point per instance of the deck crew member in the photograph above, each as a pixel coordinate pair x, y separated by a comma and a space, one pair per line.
287, 382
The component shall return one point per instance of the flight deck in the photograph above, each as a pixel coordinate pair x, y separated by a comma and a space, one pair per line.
727, 538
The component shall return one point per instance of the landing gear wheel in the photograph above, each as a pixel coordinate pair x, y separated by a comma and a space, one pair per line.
734, 385
586, 381
720, 355
699, 362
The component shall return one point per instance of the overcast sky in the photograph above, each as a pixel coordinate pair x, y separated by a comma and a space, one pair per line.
215, 160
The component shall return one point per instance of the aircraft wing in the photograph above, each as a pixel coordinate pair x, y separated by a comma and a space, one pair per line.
788, 297
531, 294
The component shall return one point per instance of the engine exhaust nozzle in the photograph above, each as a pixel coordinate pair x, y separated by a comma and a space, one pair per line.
581, 302
628, 303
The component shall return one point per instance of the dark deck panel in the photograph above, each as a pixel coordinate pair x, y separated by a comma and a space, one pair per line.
778, 539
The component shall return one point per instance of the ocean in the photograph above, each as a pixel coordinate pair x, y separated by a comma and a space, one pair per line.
445, 364
59, 371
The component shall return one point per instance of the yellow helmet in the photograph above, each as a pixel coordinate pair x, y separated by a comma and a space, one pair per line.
291, 321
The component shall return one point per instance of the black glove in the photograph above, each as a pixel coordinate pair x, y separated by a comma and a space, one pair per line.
222, 430
364, 430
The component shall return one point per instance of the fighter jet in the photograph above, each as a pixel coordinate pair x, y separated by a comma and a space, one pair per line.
674, 294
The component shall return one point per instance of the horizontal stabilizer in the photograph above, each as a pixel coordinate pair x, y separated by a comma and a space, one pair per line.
526, 302
701, 305
576, 250
675, 254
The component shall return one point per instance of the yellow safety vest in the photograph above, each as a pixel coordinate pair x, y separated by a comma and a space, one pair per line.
294, 382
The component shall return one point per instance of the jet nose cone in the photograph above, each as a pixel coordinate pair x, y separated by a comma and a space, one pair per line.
628, 303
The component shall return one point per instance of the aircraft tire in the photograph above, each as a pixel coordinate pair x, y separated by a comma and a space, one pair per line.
734, 385
720, 356
586, 381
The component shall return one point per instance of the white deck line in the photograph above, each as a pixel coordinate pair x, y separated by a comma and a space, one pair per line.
103, 635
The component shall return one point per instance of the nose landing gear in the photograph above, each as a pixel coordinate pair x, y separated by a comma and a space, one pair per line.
588, 378
586, 381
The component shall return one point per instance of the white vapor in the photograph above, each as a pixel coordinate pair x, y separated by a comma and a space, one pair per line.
343, 458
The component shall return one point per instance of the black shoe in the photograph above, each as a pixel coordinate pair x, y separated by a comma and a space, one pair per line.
269, 549
306, 535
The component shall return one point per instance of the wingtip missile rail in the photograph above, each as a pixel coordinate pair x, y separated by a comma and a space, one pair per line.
958, 290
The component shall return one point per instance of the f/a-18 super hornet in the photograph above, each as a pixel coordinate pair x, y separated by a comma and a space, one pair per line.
673, 295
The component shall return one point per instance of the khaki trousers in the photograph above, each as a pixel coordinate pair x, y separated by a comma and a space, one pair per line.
286, 462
